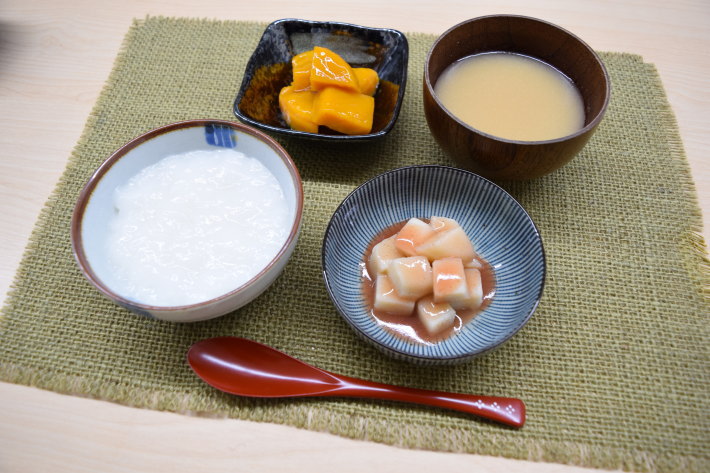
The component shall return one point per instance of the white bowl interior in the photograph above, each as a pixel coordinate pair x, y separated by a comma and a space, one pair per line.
99, 208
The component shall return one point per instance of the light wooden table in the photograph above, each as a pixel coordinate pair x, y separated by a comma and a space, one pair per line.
54, 59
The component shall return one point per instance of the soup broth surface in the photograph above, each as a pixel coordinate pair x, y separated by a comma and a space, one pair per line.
511, 96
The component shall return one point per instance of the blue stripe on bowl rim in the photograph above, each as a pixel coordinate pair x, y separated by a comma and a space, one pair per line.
220, 135
386, 199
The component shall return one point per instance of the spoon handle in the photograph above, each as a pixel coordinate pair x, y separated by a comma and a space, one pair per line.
506, 410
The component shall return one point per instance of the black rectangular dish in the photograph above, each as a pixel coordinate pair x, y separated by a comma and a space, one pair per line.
269, 69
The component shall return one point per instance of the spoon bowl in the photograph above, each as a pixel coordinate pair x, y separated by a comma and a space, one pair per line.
247, 368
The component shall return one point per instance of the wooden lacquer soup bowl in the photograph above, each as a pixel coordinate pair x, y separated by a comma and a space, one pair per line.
499, 158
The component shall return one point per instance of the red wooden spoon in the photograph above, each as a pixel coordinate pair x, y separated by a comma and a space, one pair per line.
247, 368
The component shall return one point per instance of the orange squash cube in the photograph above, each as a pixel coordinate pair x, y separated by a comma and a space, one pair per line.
367, 79
302, 64
344, 111
297, 109
329, 69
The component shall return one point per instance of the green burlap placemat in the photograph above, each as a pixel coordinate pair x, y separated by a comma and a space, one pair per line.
613, 366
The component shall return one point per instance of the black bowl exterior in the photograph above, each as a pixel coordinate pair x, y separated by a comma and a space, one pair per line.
385, 50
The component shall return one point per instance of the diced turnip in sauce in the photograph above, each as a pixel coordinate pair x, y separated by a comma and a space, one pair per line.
428, 269
411, 276
441, 224
446, 244
474, 294
413, 233
388, 300
436, 316
449, 280
383, 252
474, 264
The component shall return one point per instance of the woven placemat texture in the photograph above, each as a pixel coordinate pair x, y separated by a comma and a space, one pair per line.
613, 366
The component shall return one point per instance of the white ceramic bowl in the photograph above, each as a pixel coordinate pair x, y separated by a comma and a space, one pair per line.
94, 208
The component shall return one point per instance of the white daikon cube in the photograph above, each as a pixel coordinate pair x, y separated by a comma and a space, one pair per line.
452, 243
383, 252
388, 300
435, 316
414, 233
449, 280
411, 276
442, 224
474, 289
475, 263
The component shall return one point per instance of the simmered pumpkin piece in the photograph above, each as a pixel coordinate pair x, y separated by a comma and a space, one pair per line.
329, 69
340, 110
302, 64
367, 79
297, 109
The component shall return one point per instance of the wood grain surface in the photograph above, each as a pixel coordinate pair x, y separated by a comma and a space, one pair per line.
54, 59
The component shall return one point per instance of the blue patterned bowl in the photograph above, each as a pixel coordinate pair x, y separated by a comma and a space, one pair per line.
499, 227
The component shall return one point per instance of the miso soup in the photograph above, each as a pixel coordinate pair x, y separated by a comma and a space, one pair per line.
511, 96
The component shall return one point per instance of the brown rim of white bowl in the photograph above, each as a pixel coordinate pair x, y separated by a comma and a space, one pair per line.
592, 123
86, 192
